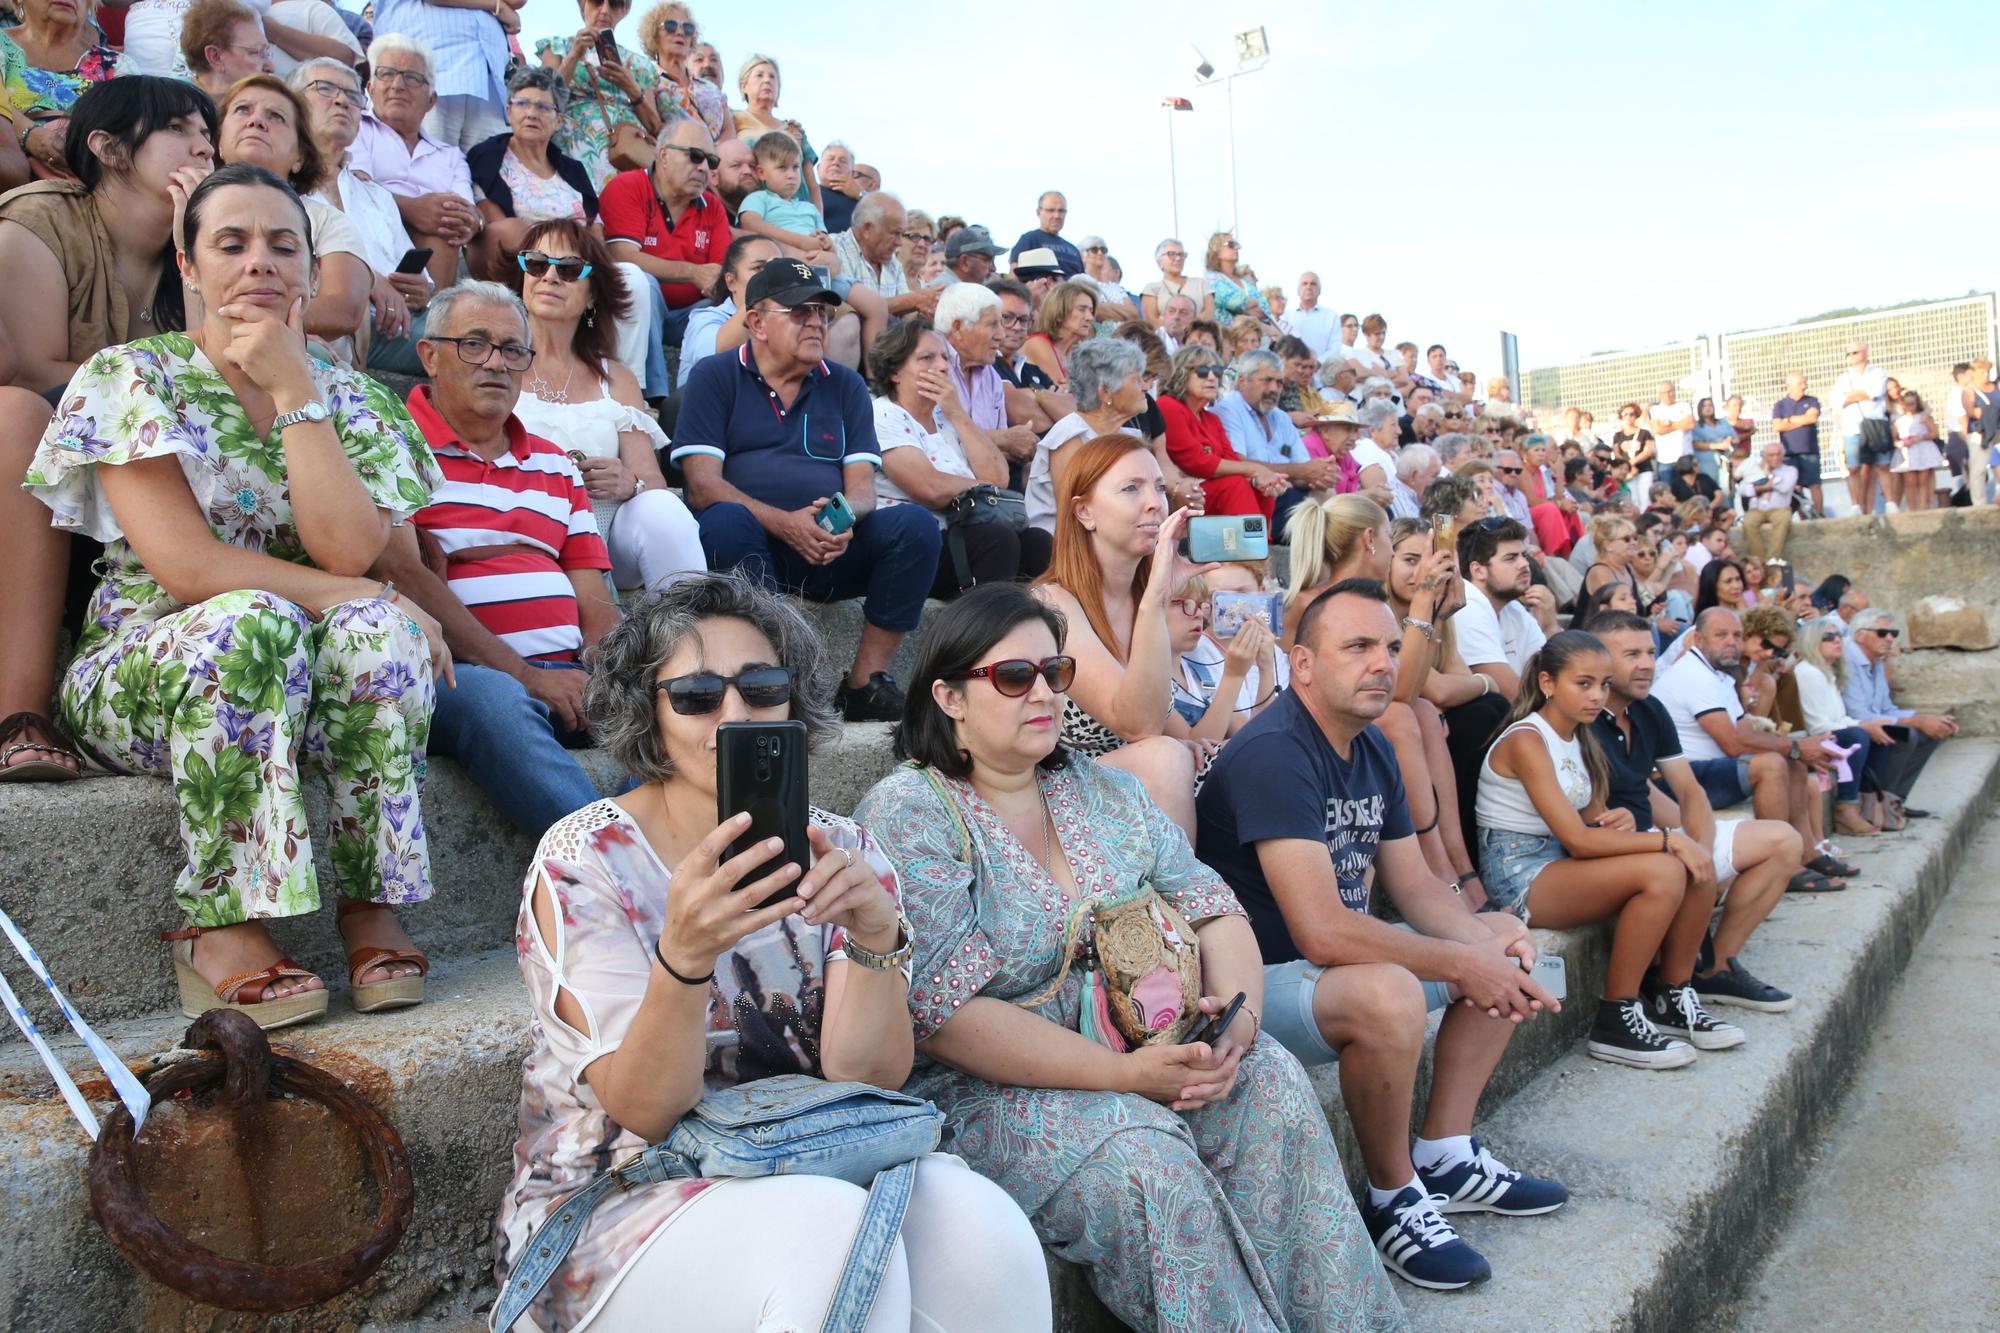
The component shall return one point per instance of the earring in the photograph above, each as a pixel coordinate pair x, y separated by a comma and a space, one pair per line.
590, 317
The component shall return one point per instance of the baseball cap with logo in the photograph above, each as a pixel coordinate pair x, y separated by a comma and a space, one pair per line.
1038, 263
789, 282
971, 241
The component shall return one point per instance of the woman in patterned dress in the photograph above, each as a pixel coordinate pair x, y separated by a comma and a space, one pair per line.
603, 93
48, 60
242, 491
659, 969
1198, 1182
667, 32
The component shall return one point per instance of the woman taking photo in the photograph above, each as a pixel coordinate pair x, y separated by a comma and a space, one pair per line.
661, 968
758, 80
521, 177
933, 452
98, 250
606, 91
1012, 848
668, 34
1174, 281
1066, 318
583, 400
1553, 852
234, 638
1106, 379
1198, 443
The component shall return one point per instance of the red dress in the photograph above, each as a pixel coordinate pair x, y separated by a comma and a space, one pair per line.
1198, 444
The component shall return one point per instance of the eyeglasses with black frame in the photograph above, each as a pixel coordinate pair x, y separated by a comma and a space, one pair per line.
336, 92
1016, 676
702, 692
568, 268
478, 351
1886, 633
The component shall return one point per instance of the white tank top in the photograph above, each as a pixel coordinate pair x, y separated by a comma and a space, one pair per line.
1503, 803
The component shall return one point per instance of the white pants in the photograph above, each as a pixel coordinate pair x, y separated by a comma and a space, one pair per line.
633, 330
764, 1255
463, 121
653, 539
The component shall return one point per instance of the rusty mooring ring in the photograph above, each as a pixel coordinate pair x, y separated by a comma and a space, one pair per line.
245, 1070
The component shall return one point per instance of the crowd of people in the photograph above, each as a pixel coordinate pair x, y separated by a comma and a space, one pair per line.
676, 370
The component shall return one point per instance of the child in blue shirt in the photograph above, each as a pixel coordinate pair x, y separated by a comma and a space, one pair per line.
794, 223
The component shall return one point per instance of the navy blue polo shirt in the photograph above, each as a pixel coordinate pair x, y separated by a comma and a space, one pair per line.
1799, 439
1068, 258
1653, 739
783, 457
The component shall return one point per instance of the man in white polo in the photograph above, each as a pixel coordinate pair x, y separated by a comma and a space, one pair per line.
1506, 618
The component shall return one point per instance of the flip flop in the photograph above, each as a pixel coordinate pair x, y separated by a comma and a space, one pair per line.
17, 728
1832, 867
1811, 881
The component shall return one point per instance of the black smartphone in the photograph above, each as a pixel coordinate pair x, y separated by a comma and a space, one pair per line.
607, 46
760, 767
1218, 1025
415, 260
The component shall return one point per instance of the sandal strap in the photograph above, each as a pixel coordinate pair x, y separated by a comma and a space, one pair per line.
15, 727
232, 988
372, 956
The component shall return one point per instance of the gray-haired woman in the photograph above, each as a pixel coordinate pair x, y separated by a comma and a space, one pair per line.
1107, 376
521, 177
659, 967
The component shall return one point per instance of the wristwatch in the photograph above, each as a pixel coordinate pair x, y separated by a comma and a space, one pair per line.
1795, 751
884, 962
312, 411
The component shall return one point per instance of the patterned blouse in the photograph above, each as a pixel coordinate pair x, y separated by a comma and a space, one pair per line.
764, 1008
584, 133
538, 200
698, 98
39, 93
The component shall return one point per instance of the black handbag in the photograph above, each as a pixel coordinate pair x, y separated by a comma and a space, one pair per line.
973, 507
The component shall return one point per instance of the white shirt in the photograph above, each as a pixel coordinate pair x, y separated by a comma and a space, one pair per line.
314, 17
1873, 381
1363, 356
895, 428
1367, 454
1697, 557
1318, 328
1669, 445
1040, 497
1691, 689
1107, 289
371, 210
1819, 699
1485, 636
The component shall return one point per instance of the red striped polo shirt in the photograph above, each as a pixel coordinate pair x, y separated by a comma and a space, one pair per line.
530, 498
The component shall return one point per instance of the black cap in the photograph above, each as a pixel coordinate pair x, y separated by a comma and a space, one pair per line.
789, 282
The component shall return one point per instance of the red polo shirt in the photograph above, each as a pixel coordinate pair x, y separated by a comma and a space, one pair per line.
631, 211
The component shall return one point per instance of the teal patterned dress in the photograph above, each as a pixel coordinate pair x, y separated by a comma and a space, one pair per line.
1233, 1216
233, 697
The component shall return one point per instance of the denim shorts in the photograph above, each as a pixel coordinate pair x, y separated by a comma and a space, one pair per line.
1288, 1007
1509, 862
1724, 781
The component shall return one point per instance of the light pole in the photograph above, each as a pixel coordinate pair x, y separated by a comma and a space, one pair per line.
1173, 104
1253, 52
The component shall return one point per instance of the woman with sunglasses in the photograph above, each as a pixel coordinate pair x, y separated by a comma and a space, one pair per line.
660, 967
611, 85
578, 397
1196, 1181
242, 490
521, 178
1821, 675
1230, 284
669, 35
1198, 443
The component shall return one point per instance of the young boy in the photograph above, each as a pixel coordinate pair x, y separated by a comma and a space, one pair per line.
795, 224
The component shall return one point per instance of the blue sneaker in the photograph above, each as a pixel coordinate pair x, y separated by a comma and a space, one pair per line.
1484, 1185
1419, 1246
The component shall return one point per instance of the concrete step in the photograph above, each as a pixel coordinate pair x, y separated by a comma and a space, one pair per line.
1679, 1179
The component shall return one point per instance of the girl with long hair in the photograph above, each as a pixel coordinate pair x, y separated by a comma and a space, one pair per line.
1553, 851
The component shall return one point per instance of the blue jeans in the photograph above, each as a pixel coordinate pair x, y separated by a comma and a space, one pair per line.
891, 562
1850, 790
511, 745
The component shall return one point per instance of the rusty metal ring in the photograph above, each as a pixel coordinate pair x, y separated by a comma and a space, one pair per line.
246, 1070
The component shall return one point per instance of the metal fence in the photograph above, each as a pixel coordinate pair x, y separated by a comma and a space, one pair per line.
1918, 345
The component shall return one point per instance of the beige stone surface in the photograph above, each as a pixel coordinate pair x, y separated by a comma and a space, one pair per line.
1948, 622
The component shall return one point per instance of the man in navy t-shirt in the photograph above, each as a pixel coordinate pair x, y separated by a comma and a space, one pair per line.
1301, 811
1796, 419
768, 435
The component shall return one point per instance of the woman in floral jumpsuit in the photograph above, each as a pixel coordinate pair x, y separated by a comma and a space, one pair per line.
234, 639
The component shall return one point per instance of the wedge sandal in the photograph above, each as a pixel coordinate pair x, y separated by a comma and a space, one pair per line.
244, 992
392, 992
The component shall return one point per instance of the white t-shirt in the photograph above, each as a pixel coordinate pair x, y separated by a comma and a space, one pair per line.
1362, 355
1697, 558
1669, 445
1366, 454
1040, 497
1318, 328
1689, 689
309, 16
1874, 381
372, 213
895, 428
1485, 636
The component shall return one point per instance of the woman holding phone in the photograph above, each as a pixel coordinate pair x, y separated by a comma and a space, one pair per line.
1194, 1179
611, 85
660, 967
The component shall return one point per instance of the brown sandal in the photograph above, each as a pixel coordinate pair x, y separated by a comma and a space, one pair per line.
20, 729
244, 992
392, 992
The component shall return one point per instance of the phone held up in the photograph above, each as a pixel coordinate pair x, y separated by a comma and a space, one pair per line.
1231, 610
607, 46
760, 767
836, 515
1222, 537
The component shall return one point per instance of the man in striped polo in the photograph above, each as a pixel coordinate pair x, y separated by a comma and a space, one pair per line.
515, 568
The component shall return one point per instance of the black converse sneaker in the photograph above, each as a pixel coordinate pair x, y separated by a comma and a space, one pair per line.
1737, 985
1677, 1011
1623, 1035
880, 700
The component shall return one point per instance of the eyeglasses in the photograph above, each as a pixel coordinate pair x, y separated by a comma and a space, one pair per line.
261, 52
1015, 321
701, 155
1209, 371
1194, 608
334, 92
1781, 649
478, 351
1096, 250
1885, 633
915, 237
415, 78
1508, 471
803, 316
702, 692
537, 265
525, 105
1016, 676
679, 25
1173, 254
1232, 245
1831, 636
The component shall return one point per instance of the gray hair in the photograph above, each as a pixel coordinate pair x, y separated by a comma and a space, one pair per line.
1376, 387
1873, 616
832, 144
873, 207
621, 697
1256, 359
544, 79
1414, 458
1449, 446
1097, 366
1182, 366
1430, 409
962, 303
395, 43
1373, 414
316, 68
1161, 248
476, 292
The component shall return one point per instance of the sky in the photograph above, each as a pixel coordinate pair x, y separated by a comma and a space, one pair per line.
1587, 176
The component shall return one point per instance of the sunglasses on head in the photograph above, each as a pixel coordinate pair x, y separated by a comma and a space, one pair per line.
537, 265
700, 693
1016, 676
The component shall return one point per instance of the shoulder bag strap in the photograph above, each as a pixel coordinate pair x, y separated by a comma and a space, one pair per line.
868, 1257
558, 1233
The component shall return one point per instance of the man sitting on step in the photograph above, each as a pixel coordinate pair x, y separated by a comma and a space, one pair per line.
1303, 809
1754, 858
521, 593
